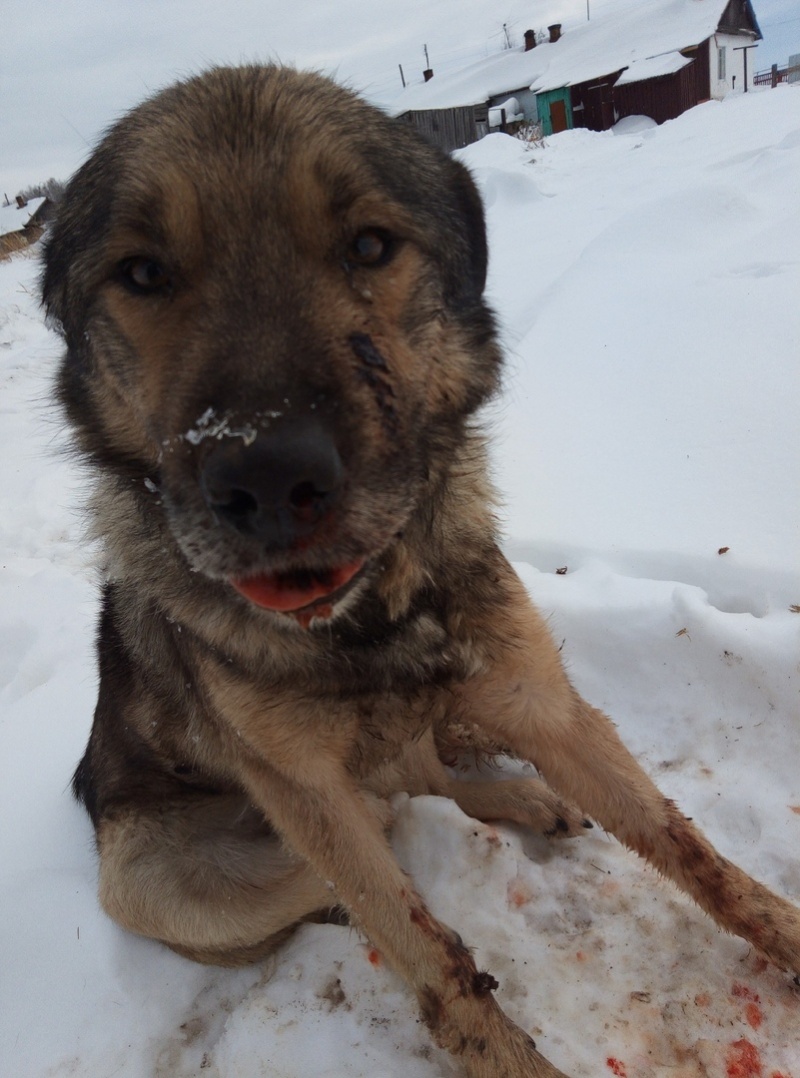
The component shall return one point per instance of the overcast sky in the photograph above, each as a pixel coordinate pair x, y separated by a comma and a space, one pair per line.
68, 68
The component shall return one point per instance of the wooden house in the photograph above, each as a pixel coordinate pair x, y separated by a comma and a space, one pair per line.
655, 59
659, 84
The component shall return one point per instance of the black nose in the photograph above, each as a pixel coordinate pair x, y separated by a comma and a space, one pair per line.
277, 488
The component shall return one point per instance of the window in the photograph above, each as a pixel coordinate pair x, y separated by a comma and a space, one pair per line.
721, 63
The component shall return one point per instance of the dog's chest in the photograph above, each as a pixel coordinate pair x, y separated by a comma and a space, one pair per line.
391, 727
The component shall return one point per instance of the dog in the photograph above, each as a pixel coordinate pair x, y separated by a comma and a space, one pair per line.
277, 344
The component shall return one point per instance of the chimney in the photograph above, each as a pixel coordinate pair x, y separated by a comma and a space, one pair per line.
555, 31
427, 74
530, 40
21, 202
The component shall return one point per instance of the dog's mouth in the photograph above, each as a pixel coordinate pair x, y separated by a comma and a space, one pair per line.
299, 591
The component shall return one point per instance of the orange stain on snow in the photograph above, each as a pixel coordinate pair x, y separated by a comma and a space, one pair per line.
754, 1015
743, 1061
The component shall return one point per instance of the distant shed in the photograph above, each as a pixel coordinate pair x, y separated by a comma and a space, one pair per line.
554, 108
21, 222
450, 129
664, 95
662, 84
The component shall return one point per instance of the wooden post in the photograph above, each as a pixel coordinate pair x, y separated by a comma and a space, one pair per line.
744, 49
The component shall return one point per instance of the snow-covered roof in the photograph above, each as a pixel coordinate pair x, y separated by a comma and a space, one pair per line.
501, 73
653, 68
14, 219
633, 33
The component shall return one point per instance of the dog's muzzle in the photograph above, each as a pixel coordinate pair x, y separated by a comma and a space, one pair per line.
280, 489
277, 489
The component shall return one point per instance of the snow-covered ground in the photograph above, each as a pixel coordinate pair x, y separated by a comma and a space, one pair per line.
648, 282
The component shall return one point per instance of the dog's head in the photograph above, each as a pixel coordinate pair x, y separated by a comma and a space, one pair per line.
271, 295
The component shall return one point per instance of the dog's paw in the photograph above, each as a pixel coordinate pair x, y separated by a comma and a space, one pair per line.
544, 811
497, 1047
526, 801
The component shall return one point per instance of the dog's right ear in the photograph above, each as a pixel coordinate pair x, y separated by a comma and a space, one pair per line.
71, 249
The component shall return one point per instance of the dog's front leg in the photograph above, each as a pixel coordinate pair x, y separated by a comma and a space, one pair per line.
324, 817
292, 758
526, 702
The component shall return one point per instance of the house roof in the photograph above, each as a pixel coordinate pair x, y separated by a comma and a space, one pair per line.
653, 68
501, 73
14, 219
631, 34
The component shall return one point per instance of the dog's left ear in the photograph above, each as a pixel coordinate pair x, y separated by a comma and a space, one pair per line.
444, 200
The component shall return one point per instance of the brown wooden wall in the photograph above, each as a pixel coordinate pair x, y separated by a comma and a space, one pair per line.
667, 97
598, 104
450, 129
592, 103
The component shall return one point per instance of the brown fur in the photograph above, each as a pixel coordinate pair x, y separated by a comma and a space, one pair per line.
241, 759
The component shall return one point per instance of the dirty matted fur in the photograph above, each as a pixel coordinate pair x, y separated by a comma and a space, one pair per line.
271, 296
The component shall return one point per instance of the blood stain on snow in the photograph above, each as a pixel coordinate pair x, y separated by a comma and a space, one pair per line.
616, 1067
743, 1061
374, 956
754, 1015
518, 894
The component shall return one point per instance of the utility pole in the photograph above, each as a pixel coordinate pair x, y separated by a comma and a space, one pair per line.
744, 48
402, 76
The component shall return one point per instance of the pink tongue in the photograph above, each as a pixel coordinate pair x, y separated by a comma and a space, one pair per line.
274, 591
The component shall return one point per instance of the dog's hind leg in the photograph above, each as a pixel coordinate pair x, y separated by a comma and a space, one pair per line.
524, 701
208, 878
526, 801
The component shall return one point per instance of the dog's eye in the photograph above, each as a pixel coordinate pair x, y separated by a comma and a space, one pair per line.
371, 247
144, 275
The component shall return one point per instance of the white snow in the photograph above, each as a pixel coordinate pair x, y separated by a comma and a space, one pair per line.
647, 283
